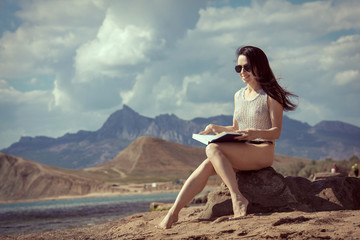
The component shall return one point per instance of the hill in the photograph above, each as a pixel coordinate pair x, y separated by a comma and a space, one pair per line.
150, 158
22, 179
147, 159
328, 139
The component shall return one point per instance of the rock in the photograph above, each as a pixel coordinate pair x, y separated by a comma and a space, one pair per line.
201, 199
268, 191
333, 193
265, 190
158, 206
325, 175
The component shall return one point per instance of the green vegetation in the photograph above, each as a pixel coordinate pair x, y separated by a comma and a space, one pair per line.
302, 169
159, 207
145, 179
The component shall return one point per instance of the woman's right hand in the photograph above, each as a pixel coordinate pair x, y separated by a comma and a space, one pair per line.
208, 130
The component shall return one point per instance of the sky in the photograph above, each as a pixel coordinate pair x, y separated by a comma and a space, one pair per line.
67, 65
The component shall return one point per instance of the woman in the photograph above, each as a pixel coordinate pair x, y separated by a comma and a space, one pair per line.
258, 116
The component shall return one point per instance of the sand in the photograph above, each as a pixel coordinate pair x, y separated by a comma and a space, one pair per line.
290, 225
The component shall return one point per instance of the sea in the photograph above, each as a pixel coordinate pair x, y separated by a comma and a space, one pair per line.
30, 217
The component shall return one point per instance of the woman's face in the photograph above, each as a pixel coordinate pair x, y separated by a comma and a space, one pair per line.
246, 76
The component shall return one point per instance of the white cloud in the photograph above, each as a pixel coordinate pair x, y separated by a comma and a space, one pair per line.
47, 38
293, 36
280, 23
114, 47
107, 66
19, 110
62, 14
60, 98
343, 78
10, 95
175, 57
28, 114
188, 81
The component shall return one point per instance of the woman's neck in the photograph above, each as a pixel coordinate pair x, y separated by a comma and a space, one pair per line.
254, 87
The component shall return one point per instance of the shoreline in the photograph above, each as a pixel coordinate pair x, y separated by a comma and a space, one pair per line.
106, 194
91, 195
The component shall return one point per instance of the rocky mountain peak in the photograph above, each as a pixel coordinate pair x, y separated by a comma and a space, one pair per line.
123, 115
124, 120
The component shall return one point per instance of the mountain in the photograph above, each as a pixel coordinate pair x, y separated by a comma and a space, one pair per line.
328, 139
86, 149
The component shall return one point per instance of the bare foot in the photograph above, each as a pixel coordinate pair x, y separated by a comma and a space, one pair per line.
168, 220
240, 207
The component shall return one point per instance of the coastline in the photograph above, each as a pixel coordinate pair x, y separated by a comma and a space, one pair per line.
91, 195
124, 190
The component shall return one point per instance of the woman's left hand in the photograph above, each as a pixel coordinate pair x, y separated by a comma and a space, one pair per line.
248, 134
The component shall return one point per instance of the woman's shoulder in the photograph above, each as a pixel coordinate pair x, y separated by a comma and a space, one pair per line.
239, 91
271, 102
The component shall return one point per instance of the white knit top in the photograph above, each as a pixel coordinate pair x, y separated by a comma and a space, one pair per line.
252, 113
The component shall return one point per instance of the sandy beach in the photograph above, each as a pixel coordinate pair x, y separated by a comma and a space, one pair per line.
289, 225
128, 189
342, 224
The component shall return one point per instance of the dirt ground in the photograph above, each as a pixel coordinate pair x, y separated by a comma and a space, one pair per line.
290, 225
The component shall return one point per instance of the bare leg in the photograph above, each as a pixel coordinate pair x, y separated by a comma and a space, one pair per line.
193, 185
224, 169
222, 159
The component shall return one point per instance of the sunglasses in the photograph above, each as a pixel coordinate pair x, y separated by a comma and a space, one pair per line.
246, 67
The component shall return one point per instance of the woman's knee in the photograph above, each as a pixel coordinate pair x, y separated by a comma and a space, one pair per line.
212, 149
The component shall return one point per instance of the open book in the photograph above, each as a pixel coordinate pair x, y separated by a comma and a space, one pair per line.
221, 137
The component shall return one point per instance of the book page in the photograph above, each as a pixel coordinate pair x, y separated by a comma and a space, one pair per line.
221, 137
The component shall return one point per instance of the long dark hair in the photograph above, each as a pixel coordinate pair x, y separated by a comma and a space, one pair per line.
260, 67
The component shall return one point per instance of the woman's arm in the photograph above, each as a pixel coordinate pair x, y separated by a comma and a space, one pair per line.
216, 129
276, 116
